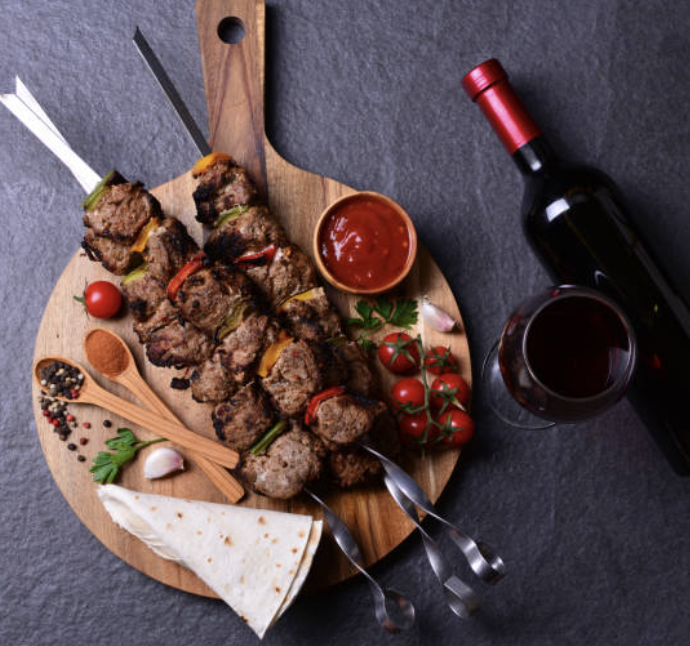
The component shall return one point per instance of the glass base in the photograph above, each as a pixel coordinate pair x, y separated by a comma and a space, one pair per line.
502, 402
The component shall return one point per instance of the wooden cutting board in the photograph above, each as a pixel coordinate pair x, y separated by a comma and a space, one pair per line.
234, 80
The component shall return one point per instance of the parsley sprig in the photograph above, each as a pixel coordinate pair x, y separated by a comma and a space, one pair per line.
382, 311
106, 466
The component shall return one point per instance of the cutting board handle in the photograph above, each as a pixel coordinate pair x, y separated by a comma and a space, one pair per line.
234, 80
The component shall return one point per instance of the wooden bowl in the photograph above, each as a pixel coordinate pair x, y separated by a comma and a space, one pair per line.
411, 232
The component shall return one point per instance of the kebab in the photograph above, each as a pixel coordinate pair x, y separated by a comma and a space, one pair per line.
206, 301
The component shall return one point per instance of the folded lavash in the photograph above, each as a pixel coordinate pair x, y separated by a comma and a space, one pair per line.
256, 560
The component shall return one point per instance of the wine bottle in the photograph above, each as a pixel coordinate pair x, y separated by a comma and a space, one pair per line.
576, 221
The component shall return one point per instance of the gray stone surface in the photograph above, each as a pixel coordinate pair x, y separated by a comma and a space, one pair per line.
592, 523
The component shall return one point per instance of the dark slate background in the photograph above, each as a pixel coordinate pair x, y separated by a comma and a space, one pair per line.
593, 524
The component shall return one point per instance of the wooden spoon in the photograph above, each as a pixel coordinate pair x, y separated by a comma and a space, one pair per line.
91, 393
120, 366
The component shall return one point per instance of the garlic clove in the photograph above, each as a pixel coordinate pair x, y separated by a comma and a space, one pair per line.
161, 462
437, 318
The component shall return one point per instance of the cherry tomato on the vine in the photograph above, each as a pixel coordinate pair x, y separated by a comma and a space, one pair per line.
440, 360
101, 299
457, 428
451, 388
412, 428
399, 353
407, 392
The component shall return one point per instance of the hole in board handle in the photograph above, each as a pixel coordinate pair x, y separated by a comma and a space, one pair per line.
231, 30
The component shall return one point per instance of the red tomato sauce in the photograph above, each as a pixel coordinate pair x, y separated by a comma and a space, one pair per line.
364, 243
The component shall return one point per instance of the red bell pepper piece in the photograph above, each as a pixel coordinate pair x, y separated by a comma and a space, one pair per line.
316, 400
194, 265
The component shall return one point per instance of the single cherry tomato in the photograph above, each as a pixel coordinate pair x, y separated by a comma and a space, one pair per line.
440, 360
457, 428
101, 299
399, 353
412, 428
450, 388
407, 393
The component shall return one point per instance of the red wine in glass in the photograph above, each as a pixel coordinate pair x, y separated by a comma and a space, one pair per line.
564, 355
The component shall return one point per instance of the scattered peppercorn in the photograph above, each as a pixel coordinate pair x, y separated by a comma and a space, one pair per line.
81, 458
107, 423
72, 447
83, 440
86, 424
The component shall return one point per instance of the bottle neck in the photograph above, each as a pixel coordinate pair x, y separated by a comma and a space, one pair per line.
535, 157
488, 86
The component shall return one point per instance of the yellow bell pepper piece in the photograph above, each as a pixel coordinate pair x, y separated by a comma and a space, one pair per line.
143, 237
206, 162
272, 354
304, 296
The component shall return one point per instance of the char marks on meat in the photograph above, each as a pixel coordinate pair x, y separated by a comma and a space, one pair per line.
302, 370
353, 466
290, 462
114, 256
144, 296
208, 295
177, 345
122, 211
168, 249
343, 419
360, 377
290, 272
221, 187
243, 418
249, 232
314, 319
210, 382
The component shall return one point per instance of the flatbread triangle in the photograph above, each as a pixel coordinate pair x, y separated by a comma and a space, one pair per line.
254, 559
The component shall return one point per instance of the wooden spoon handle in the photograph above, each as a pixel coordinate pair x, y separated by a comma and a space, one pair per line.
234, 81
172, 431
223, 481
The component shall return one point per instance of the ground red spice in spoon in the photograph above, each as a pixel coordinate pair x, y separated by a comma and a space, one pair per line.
106, 354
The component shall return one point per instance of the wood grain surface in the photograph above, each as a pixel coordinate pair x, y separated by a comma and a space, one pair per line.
234, 81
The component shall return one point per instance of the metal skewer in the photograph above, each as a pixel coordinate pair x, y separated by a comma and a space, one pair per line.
171, 92
394, 612
482, 558
460, 597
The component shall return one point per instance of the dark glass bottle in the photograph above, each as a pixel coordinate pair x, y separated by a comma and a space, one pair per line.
579, 226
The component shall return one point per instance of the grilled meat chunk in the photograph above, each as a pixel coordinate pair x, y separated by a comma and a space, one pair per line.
234, 360
162, 316
122, 211
115, 257
345, 418
249, 232
313, 319
178, 345
210, 381
353, 466
242, 349
360, 377
302, 370
290, 272
293, 460
208, 295
222, 186
243, 418
144, 296
168, 249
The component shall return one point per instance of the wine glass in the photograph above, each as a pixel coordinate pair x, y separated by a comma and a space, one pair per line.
564, 355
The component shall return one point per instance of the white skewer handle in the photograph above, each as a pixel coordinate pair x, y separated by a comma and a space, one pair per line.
25, 107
